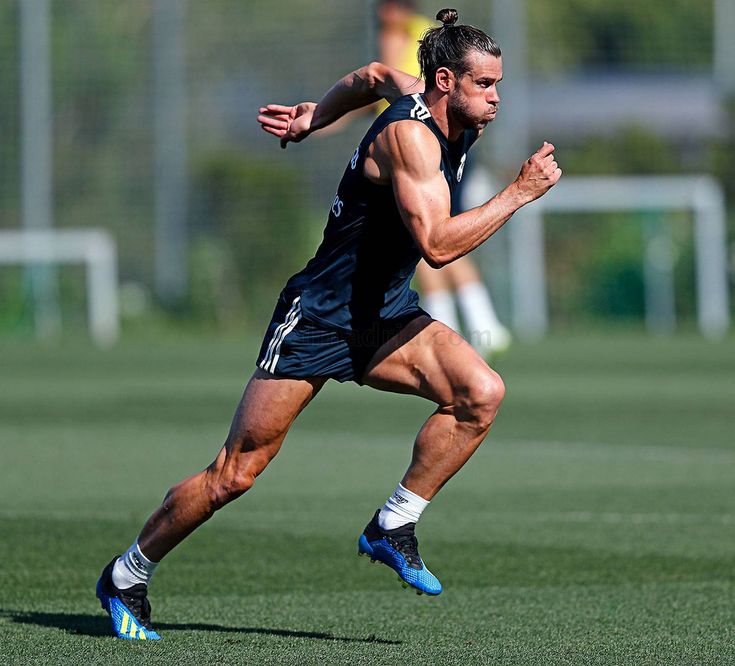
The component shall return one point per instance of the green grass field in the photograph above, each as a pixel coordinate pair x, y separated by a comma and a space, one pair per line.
595, 526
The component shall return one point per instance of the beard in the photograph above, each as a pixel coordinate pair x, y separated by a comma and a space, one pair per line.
458, 108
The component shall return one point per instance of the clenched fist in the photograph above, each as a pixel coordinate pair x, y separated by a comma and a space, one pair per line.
539, 174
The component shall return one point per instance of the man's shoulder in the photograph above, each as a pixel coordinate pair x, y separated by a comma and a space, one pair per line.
408, 131
409, 144
404, 134
402, 115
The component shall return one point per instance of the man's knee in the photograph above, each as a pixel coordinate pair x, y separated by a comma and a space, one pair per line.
230, 479
482, 399
246, 453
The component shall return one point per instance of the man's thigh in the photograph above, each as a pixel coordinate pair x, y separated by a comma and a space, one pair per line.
427, 359
268, 408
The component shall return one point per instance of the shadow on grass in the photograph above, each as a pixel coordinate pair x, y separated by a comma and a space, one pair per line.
99, 625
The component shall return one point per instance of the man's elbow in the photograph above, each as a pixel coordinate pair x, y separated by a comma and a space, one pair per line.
435, 258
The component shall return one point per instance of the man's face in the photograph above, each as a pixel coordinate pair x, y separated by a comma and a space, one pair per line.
473, 102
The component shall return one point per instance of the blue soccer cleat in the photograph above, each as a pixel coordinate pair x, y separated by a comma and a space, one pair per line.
399, 549
128, 609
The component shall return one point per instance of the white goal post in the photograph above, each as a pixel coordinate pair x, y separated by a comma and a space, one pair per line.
700, 194
95, 248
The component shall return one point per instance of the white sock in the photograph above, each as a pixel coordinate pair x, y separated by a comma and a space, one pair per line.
440, 305
484, 329
402, 507
131, 568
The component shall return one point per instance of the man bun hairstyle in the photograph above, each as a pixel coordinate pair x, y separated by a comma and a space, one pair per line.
449, 45
448, 17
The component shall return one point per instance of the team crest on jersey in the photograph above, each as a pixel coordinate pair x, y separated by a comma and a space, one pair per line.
419, 111
460, 171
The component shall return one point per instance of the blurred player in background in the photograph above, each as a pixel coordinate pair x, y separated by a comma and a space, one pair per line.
351, 315
458, 285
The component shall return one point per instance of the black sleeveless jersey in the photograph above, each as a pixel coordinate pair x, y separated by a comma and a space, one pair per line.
364, 265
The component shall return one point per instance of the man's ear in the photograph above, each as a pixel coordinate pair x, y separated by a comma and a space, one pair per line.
445, 79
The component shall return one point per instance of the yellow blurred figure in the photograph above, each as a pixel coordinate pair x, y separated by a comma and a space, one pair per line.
400, 33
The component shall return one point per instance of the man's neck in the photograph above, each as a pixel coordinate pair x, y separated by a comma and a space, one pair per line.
437, 103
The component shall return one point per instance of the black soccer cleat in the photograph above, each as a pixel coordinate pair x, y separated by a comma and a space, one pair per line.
129, 609
399, 549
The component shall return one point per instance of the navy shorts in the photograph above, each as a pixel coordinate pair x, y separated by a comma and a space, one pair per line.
297, 348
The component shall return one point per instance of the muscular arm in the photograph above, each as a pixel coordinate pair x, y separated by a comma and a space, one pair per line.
362, 87
353, 91
408, 152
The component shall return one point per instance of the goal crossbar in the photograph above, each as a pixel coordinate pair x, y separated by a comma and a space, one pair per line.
95, 248
701, 194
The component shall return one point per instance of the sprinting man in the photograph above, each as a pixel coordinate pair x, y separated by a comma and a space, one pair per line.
458, 285
350, 315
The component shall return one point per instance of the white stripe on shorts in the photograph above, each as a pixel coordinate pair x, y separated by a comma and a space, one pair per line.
274, 347
277, 332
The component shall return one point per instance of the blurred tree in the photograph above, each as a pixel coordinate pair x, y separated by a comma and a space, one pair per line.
627, 34
263, 234
595, 263
633, 150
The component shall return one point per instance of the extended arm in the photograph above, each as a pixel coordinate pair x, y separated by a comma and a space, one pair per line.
353, 91
410, 155
362, 87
